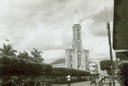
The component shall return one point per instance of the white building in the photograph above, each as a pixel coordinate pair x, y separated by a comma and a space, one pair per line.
93, 68
59, 63
97, 68
76, 56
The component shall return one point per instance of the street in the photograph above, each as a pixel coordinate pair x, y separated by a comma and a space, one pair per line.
86, 83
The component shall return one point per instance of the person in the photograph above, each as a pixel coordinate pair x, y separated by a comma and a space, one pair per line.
68, 80
93, 80
100, 83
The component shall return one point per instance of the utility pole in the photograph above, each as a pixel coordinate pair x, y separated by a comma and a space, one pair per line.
111, 56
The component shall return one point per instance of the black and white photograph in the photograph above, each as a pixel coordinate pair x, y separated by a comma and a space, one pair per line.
63, 42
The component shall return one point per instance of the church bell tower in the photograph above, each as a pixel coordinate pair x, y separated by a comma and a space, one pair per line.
77, 40
76, 57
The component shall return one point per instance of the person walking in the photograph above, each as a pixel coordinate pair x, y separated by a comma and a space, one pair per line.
68, 80
100, 81
93, 81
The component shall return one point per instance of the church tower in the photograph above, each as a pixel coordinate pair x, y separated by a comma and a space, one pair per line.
75, 57
77, 41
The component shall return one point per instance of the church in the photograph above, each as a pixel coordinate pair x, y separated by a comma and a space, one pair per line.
76, 56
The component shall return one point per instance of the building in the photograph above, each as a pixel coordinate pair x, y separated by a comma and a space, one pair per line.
93, 68
59, 63
76, 56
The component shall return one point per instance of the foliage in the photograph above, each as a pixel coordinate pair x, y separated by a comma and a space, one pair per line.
18, 66
68, 71
7, 50
24, 55
22, 64
105, 65
124, 69
31, 66
37, 55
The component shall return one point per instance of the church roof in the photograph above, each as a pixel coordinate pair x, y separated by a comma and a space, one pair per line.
58, 61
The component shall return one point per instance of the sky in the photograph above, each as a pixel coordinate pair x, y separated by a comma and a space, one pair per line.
47, 25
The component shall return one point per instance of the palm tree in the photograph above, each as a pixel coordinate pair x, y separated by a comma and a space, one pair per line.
7, 51
8, 59
37, 55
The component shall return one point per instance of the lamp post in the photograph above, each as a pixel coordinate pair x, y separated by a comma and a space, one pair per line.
111, 56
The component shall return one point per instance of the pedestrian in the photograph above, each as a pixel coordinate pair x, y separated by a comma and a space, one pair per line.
100, 82
93, 81
69, 80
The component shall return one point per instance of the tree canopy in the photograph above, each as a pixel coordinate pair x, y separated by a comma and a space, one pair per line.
37, 55
7, 50
106, 65
27, 65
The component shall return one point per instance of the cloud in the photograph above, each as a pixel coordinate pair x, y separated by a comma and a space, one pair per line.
43, 38
51, 55
104, 16
95, 39
99, 29
47, 24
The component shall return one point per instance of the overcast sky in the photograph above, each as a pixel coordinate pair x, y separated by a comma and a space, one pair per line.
47, 25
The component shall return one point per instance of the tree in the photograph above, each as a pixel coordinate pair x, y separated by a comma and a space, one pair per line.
7, 50
37, 55
106, 65
8, 56
25, 56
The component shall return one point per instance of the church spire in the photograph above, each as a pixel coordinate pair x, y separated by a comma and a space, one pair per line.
76, 17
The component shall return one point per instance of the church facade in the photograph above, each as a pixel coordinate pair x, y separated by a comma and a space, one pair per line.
76, 56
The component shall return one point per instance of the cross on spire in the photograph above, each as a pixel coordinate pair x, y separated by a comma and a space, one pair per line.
76, 19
